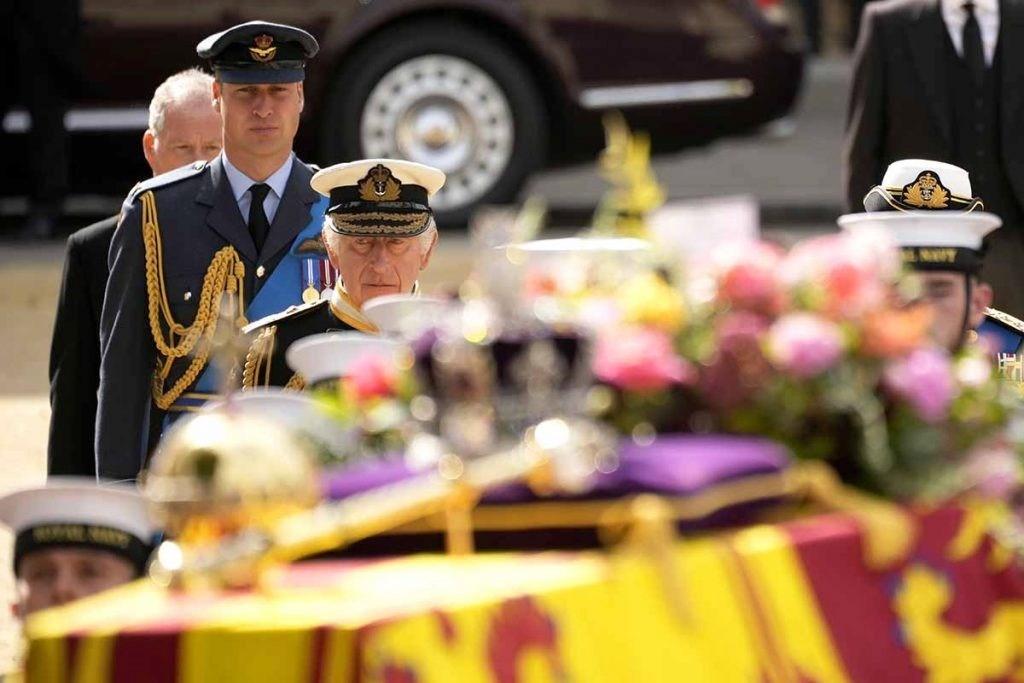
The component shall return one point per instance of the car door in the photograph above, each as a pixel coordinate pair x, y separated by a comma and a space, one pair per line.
650, 41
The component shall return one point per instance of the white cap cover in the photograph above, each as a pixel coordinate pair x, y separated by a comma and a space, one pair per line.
332, 355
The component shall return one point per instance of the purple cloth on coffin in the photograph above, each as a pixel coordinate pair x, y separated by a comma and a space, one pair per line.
673, 465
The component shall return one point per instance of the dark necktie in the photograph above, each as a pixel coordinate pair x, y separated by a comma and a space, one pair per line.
974, 51
259, 226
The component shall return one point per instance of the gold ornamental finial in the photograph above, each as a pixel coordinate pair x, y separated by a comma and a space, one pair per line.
222, 475
635, 191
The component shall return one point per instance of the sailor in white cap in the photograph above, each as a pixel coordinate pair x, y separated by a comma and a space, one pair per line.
380, 234
74, 538
940, 227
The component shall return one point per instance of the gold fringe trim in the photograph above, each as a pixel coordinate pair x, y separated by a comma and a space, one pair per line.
258, 354
224, 276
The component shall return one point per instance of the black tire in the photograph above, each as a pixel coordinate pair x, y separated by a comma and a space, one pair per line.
362, 69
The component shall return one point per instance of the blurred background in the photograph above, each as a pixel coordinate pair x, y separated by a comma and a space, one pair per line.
742, 98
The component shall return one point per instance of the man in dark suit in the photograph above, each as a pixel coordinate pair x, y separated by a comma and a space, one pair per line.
203, 249
183, 127
941, 79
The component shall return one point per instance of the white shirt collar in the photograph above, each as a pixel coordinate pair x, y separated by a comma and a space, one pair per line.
240, 183
956, 7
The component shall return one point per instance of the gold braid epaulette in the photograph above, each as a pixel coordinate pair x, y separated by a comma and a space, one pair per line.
225, 275
258, 354
296, 383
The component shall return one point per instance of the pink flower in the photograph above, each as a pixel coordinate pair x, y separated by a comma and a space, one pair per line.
738, 367
804, 344
993, 470
748, 277
924, 379
739, 333
372, 376
847, 275
639, 359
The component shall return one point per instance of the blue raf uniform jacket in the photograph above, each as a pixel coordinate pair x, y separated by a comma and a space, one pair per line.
181, 261
1007, 334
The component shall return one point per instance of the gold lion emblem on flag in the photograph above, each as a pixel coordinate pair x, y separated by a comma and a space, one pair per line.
263, 50
927, 192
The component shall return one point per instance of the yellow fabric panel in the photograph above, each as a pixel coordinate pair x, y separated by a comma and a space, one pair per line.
46, 660
456, 644
238, 654
339, 657
691, 621
419, 642
782, 589
94, 658
622, 628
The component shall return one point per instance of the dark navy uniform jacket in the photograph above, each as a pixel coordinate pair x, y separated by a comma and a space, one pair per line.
1007, 333
198, 216
269, 339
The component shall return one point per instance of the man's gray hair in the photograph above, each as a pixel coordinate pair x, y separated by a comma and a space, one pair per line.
190, 84
428, 236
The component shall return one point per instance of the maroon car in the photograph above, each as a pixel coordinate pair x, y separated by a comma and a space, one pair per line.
487, 90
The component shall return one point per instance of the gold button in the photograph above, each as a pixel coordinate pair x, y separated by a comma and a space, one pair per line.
188, 295
261, 271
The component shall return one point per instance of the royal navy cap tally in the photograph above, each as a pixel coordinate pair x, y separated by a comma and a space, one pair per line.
927, 207
379, 197
259, 52
78, 512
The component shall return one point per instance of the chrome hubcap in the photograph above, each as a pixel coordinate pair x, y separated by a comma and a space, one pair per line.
446, 112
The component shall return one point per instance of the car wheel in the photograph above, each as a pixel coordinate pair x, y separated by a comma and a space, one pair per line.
446, 95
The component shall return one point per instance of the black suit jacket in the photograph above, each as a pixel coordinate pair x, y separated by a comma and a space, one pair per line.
75, 351
198, 216
900, 104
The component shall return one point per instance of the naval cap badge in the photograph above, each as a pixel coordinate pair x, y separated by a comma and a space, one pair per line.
927, 192
379, 185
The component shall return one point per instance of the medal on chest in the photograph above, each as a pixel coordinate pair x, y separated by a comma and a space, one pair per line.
318, 278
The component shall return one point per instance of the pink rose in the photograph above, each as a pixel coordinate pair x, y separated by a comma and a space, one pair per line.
372, 376
804, 344
847, 274
639, 359
748, 278
924, 379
